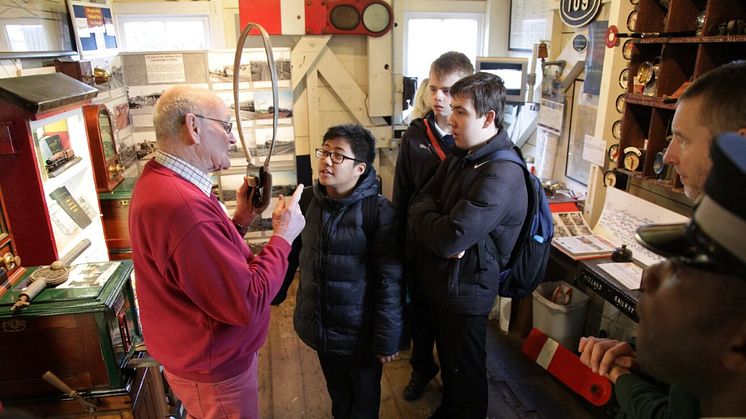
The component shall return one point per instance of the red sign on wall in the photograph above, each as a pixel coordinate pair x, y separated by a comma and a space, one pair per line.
94, 17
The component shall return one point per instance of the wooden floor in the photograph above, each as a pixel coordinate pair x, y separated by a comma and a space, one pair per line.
291, 384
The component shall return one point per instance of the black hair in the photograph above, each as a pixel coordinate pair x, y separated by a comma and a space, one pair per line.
487, 93
361, 141
452, 62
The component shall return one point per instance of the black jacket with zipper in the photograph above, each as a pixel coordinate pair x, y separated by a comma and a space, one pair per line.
475, 205
349, 297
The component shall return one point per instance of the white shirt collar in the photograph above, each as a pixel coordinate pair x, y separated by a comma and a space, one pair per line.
190, 173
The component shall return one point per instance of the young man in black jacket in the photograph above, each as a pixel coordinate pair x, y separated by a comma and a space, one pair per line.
466, 221
424, 145
349, 301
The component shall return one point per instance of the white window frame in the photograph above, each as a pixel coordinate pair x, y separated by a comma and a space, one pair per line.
208, 12
478, 16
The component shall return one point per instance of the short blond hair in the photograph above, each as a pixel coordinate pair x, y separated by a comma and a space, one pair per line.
173, 105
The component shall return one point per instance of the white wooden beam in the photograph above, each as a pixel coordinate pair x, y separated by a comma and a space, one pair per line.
305, 54
344, 85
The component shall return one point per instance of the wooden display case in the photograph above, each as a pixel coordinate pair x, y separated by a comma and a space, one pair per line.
115, 207
106, 166
45, 169
686, 53
10, 263
88, 335
84, 333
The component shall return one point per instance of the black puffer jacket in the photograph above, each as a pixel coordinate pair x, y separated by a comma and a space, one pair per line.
474, 205
350, 294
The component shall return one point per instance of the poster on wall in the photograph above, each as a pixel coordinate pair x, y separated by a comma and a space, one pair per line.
528, 23
95, 35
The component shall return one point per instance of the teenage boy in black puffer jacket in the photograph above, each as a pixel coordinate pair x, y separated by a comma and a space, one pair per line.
466, 221
426, 143
349, 302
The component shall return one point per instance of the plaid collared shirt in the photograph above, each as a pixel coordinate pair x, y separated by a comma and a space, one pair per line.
195, 176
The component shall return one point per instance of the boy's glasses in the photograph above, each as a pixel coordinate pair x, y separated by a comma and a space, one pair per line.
337, 158
227, 126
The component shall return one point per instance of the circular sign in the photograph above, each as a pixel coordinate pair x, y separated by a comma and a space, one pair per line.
579, 43
576, 13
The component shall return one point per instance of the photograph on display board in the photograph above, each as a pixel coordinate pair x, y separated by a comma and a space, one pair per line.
144, 145
246, 103
263, 104
220, 65
260, 142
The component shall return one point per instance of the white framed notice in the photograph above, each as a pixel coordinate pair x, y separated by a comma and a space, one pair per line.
528, 23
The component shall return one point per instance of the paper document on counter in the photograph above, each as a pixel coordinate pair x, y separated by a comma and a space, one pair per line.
623, 213
629, 274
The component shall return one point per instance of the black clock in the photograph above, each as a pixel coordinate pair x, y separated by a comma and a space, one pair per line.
632, 158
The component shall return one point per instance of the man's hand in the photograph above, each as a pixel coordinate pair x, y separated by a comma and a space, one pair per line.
287, 219
607, 357
245, 212
387, 358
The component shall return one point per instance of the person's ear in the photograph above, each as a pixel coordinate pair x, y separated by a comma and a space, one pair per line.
192, 128
360, 168
734, 353
489, 118
741, 132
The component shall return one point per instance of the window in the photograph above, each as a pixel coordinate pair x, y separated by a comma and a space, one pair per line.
164, 33
428, 35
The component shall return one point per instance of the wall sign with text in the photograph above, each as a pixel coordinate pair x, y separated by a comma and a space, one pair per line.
94, 29
577, 13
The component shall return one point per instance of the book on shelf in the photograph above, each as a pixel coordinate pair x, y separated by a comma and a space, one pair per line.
588, 246
65, 200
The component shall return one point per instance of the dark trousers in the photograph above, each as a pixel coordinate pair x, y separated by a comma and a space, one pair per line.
354, 384
461, 341
422, 329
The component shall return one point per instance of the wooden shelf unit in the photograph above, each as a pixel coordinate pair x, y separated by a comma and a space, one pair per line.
646, 121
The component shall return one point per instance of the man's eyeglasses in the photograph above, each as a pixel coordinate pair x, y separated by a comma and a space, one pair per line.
337, 158
227, 126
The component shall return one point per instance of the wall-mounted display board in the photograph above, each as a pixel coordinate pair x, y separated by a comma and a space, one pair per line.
95, 34
147, 75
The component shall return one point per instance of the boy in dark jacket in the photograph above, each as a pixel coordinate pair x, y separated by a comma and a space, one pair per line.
424, 145
466, 221
349, 301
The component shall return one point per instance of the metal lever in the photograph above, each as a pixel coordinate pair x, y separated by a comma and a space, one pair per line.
259, 177
61, 386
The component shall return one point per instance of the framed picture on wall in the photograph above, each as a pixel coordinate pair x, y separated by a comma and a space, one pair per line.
528, 23
95, 35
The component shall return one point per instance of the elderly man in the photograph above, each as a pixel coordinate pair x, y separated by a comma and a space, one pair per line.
692, 315
712, 104
204, 297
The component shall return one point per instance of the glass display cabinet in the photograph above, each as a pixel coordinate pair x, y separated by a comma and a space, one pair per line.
46, 171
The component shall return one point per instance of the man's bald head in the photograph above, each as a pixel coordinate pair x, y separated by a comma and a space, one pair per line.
174, 104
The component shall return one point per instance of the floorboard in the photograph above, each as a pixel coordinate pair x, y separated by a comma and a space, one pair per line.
292, 385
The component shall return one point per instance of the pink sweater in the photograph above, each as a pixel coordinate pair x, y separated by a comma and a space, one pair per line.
203, 296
